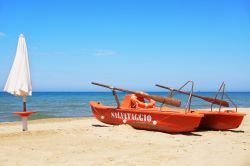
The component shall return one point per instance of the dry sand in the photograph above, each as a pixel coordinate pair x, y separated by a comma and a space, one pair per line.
86, 141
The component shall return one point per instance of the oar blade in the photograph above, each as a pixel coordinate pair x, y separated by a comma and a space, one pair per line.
217, 101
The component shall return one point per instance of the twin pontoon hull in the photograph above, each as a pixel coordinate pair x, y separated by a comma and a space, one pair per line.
214, 120
147, 119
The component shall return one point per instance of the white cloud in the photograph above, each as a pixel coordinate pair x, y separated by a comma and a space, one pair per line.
106, 53
34, 50
2, 34
83, 52
45, 53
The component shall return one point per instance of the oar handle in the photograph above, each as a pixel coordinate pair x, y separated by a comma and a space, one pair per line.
164, 100
98, 84
165, 87
112, 88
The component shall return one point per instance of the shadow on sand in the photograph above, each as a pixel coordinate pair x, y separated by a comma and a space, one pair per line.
191, 134
98, 125
236, 131
233, 131
186, 134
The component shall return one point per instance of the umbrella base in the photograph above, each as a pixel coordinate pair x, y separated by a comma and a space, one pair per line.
24, 116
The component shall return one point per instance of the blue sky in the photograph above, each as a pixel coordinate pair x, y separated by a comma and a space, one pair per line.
129, 43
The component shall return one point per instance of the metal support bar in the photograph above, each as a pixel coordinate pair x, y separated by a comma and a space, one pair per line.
188, 105
236, 108
222, 90
216, 95
190, 96
116, 98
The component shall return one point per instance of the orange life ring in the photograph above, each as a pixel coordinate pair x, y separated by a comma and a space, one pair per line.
140, 104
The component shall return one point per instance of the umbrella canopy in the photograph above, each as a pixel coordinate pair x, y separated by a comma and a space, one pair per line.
19, 81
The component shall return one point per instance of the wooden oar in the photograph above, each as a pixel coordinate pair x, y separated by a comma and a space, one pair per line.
208, 99
164, 100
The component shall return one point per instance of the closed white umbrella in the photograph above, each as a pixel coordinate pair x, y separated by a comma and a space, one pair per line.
19, 81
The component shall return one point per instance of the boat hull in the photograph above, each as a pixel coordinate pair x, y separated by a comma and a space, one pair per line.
214, 120
147, 119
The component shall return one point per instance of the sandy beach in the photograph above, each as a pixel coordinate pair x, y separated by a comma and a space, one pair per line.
86, 141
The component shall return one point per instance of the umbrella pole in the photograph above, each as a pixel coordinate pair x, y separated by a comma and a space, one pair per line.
24, 118
24, 104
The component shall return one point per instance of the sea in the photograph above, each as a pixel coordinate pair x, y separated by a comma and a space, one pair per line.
76, 104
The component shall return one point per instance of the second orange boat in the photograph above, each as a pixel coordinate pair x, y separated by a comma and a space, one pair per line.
215, 120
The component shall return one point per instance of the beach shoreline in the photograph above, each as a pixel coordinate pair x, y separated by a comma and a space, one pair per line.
86, 141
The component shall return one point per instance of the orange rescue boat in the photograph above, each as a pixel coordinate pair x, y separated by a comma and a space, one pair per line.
141, 115
215, 120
